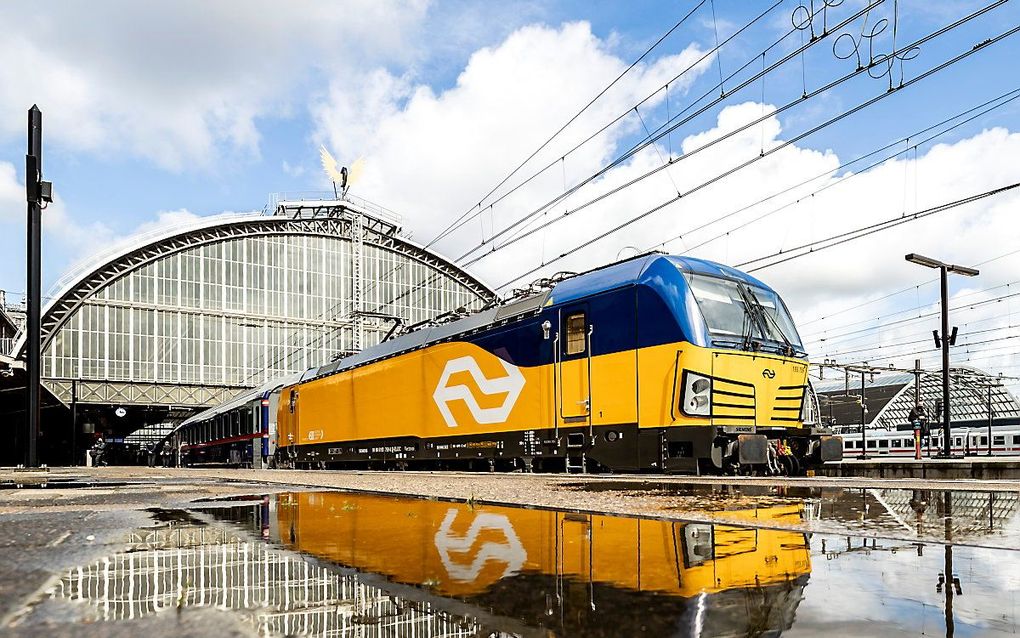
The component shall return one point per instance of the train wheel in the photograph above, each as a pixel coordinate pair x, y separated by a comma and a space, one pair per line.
790, 465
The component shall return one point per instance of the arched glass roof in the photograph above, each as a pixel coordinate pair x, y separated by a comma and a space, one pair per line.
191, 315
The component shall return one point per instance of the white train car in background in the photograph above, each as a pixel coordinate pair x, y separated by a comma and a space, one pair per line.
973, 441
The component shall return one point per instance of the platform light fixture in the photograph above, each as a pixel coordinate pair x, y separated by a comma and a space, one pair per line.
946, 340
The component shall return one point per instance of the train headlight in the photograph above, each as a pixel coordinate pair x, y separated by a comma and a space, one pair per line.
697, 395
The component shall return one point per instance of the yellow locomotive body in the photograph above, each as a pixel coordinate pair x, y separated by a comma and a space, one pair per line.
606, 372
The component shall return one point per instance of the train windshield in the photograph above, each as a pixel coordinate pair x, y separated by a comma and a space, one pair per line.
739, 313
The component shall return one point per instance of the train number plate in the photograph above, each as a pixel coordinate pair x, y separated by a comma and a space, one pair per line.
739, 429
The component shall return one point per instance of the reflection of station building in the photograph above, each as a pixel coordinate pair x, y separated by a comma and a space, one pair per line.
349, 564
184, 318
982, 513
199, 565
923, 513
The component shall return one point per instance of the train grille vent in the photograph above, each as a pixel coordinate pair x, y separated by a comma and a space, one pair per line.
789, 403
733, 402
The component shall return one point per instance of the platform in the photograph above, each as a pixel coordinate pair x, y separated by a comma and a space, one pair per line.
969, 467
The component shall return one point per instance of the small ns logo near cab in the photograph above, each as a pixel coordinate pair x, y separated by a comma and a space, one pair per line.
511, 385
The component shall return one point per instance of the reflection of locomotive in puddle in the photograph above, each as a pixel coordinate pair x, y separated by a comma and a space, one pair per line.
576, 573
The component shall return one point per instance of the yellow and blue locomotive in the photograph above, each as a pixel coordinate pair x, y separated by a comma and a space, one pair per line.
658, 362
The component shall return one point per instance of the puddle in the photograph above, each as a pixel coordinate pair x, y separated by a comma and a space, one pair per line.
984, 518
343, 564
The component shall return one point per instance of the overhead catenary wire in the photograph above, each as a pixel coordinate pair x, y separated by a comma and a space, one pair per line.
546, 143
967, 329
845, 237
894, 294
672, 200
1009, 96
899, 344
850, 345
864, 333
665, 129
822, 336
468, 215
923, 353
861, 69
887, 348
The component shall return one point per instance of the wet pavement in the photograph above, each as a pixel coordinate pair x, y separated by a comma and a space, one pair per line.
770, 560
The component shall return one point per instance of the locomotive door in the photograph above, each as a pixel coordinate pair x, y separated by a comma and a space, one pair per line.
574, 364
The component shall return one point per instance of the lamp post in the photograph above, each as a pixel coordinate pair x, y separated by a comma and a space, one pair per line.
946, 340
37, 193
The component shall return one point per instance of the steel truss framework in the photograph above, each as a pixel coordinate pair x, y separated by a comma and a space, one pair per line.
335, 220
102, 392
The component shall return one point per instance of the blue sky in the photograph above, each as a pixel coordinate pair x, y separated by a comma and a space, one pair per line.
201, 108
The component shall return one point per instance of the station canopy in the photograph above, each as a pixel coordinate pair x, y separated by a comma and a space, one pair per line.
189, 316
890, 397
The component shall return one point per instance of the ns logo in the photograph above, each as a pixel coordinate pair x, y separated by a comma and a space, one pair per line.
465, 556
509, 385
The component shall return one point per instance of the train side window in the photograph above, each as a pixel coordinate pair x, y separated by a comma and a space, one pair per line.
999, 440
883, 443
293, 400
871, 443
1016, 439
959, 441
984, 440
576, 337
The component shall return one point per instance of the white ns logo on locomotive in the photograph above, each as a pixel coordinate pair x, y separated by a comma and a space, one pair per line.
510, 385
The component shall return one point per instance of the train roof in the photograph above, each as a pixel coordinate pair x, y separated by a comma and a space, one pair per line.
628, 272
637, 270
244, 396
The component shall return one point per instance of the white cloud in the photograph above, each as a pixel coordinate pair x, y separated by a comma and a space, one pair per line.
294, 170
12, 194
62, 234
428, 154
179, 83
167, 219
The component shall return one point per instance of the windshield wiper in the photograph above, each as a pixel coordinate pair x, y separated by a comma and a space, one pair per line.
750, 321
762, 313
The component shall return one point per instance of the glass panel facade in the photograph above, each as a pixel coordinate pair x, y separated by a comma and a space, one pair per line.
243, 311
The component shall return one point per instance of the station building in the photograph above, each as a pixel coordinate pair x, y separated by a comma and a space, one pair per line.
181, 319
889, 397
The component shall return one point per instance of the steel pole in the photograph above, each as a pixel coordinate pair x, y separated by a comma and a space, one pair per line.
948, 568
33, 177
864, 410
946, 445
989, 420
917, 404
74, 422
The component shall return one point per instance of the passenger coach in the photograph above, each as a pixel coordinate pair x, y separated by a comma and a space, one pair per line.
658, 363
